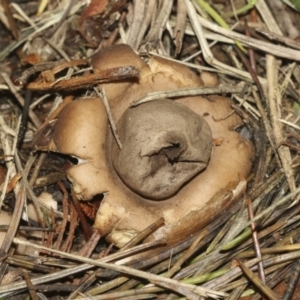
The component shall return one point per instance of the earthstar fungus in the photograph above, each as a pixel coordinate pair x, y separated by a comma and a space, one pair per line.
168, 165
165, 144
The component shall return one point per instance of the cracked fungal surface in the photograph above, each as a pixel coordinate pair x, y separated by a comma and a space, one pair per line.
169, 165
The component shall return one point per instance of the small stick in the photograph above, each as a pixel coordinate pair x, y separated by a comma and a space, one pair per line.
68, 243
82, 218
124, 269
109, 115
256, 241
75, 83
144, 234
32, 292
56, 67
36, 169
90, 246
35, 120
197, 91
27, 228
24, 118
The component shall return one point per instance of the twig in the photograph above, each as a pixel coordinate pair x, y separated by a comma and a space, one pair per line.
68, 243
187, 92
9, 151
275, 101
23, 79
255, 240
89, 247
82, 218
147, 231
157, 29
65, 218
109, 115
33, 294
278, 37
37, 168
35, 120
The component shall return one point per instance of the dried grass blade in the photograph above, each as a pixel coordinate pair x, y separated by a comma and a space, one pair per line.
266, 47
123, 269
160, 22
13, 226
256, 241
180, 25
275, 104
112, 123
267, 16
272, 250
208, 56
138, 18
237, 293
186, 255
283, 39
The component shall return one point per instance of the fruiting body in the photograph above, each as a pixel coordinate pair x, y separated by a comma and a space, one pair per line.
165, 144
167, 152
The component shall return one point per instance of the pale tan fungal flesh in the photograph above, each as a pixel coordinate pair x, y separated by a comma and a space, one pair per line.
206, 179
